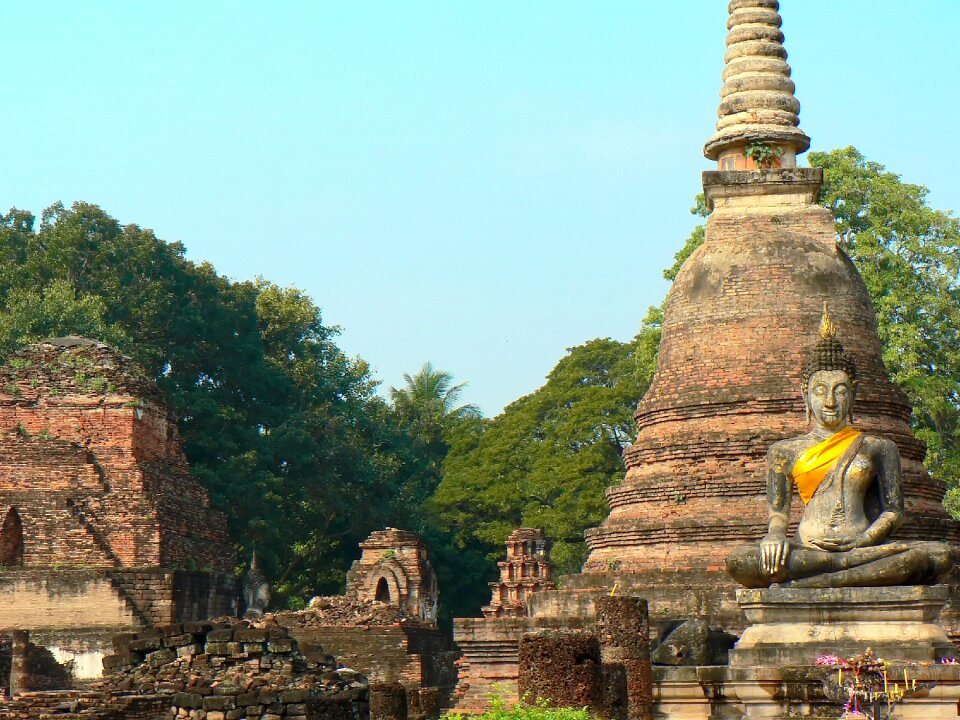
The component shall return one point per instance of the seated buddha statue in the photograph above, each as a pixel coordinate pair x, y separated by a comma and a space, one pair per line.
851, 486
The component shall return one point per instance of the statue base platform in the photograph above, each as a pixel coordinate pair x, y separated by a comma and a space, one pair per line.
720, 692
794, 626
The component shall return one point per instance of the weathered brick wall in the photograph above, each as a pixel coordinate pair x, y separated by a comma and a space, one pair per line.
383, 653
490, 648
229, 671
92, 463
164, 596
45, 599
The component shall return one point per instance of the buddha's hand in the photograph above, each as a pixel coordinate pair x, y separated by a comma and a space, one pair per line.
774, 550
836, 544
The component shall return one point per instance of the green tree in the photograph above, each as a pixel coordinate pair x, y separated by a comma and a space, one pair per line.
545, 461
428, 406
282, 427
431, 394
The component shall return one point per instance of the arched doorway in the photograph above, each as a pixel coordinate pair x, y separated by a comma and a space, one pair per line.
11, 540
383, 591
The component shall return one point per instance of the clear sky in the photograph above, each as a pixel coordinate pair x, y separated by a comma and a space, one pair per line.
480, 184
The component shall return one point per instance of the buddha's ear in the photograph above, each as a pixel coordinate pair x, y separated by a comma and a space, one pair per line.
806, 399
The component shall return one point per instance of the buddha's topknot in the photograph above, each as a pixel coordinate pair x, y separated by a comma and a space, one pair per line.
827, 353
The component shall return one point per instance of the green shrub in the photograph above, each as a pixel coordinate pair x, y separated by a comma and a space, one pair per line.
539, 709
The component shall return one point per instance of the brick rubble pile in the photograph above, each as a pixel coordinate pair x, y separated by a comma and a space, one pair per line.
228, 672
340, 610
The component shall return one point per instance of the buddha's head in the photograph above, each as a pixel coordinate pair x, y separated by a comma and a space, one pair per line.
829, 379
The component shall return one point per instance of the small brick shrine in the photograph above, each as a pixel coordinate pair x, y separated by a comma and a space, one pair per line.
395, 569
384, 626
104, 527
526, 570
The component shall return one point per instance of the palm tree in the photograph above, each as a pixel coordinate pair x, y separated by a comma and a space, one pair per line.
430, 398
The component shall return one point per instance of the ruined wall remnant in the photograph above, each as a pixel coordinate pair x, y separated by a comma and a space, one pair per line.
385, 624
206, 671
490, 645
526, 570
623, 629
562, 667
103, 527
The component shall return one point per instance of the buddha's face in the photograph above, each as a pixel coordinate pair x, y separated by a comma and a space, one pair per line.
829, 395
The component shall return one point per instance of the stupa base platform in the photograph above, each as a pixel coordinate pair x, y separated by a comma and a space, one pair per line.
676, 595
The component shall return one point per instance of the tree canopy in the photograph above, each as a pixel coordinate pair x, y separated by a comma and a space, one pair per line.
283, 428
545, 461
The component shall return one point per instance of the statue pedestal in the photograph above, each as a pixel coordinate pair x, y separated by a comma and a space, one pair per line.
794, 626
772, 671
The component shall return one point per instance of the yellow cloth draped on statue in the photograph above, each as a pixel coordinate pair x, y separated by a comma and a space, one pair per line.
813, 465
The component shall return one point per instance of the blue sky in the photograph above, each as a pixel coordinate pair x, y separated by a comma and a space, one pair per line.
479, 184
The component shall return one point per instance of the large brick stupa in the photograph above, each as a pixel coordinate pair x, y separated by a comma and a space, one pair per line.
742, 309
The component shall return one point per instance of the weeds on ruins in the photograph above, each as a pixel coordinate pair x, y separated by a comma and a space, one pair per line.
527, 709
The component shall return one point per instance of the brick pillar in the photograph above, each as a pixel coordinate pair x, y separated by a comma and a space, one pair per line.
388, 701
423, 703
562, 667
18, 661
623, 627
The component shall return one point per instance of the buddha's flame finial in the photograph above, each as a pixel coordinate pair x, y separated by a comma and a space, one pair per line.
827, 328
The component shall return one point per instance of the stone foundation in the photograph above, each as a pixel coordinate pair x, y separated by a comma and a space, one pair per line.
416, 656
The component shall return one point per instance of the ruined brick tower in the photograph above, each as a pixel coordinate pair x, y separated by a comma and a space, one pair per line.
526, 570
103, 525
737, 319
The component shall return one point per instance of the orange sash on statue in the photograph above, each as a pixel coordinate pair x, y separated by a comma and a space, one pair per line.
813, 465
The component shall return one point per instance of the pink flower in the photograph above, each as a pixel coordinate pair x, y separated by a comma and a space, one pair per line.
829, 660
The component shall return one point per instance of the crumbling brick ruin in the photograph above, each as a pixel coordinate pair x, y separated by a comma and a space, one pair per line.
526, 570
395, 569
206, 671
490, 644
103, 526
385, 624
605, 669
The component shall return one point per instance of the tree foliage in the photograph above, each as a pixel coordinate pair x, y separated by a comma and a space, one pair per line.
427, 407
545, 461
277, 422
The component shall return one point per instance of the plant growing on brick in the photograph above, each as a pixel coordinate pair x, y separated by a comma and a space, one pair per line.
763, 154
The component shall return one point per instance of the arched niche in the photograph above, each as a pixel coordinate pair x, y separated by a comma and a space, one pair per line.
386, 579
11, 540
382, 593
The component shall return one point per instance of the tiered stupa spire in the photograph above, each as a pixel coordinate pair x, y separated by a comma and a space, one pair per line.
757, 104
